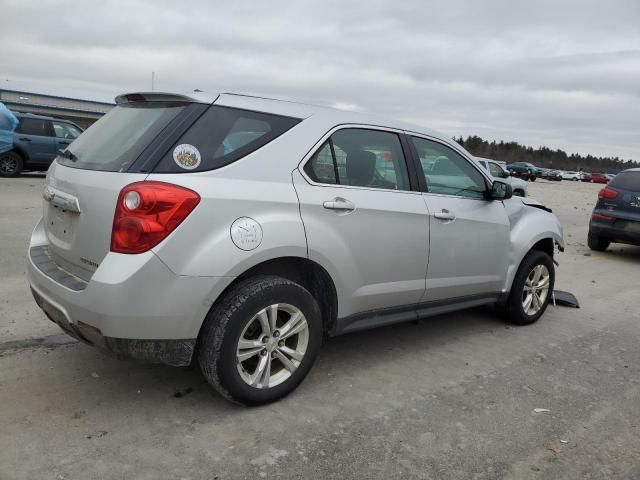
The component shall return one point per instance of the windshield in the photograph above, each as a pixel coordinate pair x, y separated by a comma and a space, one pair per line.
115, 141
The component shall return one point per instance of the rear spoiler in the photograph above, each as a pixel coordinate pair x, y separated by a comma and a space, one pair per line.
136, 97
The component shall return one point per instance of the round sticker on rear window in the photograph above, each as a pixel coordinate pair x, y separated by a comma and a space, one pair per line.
186, 156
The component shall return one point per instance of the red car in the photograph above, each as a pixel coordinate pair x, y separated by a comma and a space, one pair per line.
596, 178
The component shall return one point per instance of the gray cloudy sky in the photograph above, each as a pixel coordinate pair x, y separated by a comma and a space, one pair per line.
565, 74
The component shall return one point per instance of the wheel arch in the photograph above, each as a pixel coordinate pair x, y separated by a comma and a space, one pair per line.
302, 271
22, 152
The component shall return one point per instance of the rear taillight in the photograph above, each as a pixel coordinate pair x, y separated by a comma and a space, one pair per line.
599, 216
147, 212
608, 193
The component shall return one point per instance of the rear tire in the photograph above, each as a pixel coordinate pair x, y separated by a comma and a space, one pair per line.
597, 243
532, 178
247, 352
531, 289
11, 164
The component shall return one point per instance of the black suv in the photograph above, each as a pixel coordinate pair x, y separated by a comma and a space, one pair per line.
616, 216
36, 142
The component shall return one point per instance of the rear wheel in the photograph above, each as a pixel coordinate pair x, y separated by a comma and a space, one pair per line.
597, 243
531, 289
260, 340
10, 164
532, 178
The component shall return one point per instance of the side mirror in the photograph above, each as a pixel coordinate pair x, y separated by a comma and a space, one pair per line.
500, 191
505, 174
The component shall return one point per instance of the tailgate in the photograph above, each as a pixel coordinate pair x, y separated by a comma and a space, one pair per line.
78, 212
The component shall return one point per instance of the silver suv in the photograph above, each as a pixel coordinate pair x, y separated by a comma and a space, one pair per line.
240, 231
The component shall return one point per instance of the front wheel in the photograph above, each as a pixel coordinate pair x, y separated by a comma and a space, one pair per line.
260, 340
532, 289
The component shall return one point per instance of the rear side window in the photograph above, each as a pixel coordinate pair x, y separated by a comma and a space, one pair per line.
34, 126
223, 135
626, 181
361, 158
115, 141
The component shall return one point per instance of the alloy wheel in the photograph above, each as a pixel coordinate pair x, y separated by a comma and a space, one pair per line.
272, 345
536, 289
8, 164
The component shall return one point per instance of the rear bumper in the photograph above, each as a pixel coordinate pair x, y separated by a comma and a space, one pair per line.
169, 352
133, 306
621, 231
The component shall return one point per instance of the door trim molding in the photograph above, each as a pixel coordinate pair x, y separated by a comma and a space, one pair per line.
415, 311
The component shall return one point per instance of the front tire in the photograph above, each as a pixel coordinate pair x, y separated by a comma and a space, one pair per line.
532, 289
11, 164
260, 340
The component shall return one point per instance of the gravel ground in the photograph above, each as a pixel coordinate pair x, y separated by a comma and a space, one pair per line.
452, 397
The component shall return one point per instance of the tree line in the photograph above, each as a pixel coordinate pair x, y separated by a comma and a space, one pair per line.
543, 157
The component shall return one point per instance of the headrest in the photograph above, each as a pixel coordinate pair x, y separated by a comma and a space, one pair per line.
360, 167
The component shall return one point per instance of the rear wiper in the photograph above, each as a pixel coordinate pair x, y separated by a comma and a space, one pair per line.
68, 155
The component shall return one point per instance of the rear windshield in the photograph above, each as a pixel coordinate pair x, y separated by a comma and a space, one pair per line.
626, 181
221, 136
115, 141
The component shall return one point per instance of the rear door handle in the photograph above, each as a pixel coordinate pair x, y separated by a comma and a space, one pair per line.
24, 139
445, 215
339, 203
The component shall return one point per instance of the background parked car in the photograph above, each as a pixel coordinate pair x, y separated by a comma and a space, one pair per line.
523, 170
616, 216
596, 178
610, 176
553, 175
496, 170
574, 176
36, 142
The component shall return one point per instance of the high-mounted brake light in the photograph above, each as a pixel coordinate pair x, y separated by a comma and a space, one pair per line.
147, 212
608, 193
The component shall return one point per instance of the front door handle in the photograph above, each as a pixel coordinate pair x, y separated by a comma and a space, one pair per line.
24, 139
445, 215
339, 203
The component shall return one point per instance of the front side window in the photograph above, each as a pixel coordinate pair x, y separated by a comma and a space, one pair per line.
33, 126
447, 172
66, 130
361, 158
495, 170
